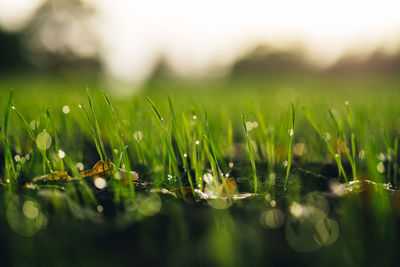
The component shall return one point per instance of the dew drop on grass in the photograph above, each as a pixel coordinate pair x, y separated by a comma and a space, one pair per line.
138, 135
80, 166
197, 142
43, 141
285, 163
100, 183
100, 208
32, 124
327, 136
296, 209
380, 167
66, 109
61, 154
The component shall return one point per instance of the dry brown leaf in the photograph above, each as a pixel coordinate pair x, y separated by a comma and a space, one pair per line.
54, 176
100, 169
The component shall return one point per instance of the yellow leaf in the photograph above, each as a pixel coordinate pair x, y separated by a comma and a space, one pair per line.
99, 169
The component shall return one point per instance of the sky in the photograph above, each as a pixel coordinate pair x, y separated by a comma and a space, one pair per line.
199, 37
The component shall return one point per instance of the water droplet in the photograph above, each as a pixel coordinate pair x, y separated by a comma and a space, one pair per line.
138, 135
361, 155
380, 167
100, 208
43, 141
66, 109
296, 209
61, 154
326, 136
285, 163
80, 166
100, 183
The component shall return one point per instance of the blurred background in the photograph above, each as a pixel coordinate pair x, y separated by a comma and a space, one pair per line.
125, 43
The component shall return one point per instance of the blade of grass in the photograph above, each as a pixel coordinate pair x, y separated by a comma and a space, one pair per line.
251, 153
122, 147
290, 148
179, 141
168, 143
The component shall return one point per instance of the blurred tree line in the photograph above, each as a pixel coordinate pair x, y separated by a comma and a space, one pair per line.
264, 60
58, 36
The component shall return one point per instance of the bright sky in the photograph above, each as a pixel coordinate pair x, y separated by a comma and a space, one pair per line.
195, 35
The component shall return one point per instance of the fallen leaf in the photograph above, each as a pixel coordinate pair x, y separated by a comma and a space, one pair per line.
100, 169
54, 176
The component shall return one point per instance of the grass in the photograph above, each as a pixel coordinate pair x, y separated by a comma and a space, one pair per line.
174, 133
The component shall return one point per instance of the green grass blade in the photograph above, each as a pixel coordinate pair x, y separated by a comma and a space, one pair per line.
251, 154
290, 148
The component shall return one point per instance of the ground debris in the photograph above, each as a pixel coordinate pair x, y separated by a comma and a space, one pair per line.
101, 169
358, 186
106, 169
54, 176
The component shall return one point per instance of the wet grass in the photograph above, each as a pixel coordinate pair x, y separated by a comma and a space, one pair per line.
316, 157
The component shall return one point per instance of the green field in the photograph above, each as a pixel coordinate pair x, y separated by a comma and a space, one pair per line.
315, 159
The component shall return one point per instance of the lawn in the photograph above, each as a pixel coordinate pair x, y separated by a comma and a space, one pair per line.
284, 170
